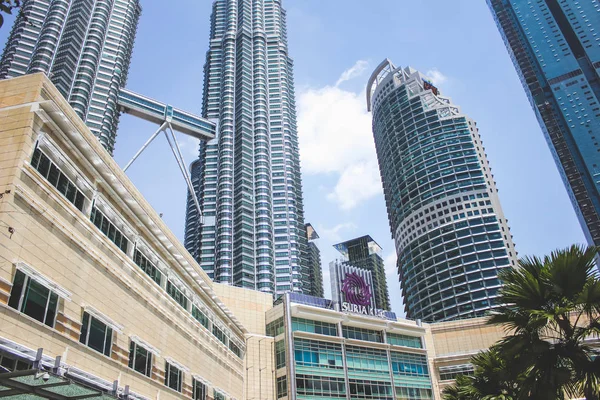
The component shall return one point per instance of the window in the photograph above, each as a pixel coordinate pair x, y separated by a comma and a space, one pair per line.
315, 354
322, 328
200, 317
173, 376
280, 354
324, 386
275, 328
235, 349
372, 361
369, 335
146, 266
198, 390
406, 364
404, 340
219, 334
451, 372
218, 395
96, 334
364, 389
281, 386
140, 359
59, 180
177, 295
109, 229
12, 364
33, 299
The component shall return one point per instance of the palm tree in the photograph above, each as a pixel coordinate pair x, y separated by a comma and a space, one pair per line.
551, 308
492, 379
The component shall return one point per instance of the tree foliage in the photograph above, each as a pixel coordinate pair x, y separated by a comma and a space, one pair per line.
551, 310
7, 7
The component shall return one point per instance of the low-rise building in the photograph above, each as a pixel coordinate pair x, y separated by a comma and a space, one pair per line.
94, 288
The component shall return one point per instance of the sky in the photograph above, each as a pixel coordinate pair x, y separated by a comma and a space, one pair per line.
335, 45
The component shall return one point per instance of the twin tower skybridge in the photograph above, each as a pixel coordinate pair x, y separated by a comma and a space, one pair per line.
169, 119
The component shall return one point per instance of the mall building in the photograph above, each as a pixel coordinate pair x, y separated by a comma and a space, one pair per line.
99, 299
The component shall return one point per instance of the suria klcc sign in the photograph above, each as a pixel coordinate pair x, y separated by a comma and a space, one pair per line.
358, 297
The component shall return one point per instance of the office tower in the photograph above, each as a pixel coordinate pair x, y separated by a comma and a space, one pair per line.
84, 46
312, 278
556, 51
445, 217
249, 184
363, 252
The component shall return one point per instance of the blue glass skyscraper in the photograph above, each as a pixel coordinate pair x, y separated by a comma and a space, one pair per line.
555, 47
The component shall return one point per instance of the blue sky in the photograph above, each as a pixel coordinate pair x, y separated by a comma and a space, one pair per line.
335, 45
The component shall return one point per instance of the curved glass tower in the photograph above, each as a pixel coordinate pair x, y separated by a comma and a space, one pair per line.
450, 233
249, 182
84, 46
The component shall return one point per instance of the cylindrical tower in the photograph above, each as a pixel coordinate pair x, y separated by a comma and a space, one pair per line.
451, 236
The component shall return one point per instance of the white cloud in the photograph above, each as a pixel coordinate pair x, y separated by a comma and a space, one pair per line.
188, 146
333, 235
335, 138
436, 76
389, 262
353, 72
358, 182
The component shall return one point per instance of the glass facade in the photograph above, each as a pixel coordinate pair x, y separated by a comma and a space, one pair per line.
331, 364
450, 233
248, 179
556, 51
88, 65
322, 328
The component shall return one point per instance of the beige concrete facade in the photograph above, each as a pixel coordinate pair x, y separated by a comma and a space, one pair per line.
452, 344
47, 237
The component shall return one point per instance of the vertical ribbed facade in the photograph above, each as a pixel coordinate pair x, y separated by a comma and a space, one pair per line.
451, 236
556, 51
84, 46
249, 182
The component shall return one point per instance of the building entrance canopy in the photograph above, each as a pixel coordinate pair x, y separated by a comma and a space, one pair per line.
34, 384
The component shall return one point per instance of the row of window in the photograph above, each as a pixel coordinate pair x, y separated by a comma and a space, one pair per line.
349, 332
31, 298
50, 172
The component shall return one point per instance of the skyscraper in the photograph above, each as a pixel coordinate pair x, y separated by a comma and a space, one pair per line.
84, 46
248, 179
556, 51
363, 252
312, 277
445, 217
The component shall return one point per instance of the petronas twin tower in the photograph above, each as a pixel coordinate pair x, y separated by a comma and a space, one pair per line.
248, 179
247, 227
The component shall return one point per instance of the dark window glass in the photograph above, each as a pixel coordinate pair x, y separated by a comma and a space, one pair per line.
173, 377
140, 359
33, 299
59, 180
177, 295
109, 229
96, 334
147, 266
200, 317
198, 390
